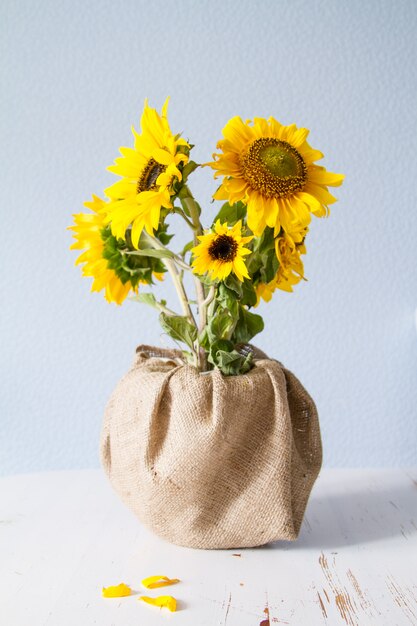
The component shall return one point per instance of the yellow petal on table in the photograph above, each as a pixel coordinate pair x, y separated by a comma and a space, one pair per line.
167, 602
153, 582
117, 591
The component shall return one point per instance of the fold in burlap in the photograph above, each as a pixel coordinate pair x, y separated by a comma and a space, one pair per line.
212, 461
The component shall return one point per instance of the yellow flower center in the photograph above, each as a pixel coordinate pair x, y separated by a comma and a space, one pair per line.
223, 248
150, 173
274, 167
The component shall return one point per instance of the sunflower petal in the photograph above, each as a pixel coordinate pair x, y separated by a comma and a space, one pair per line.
153, 582
116, 591
167, 602
320, 176
163, 157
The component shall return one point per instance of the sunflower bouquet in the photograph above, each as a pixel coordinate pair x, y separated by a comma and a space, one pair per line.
270, 187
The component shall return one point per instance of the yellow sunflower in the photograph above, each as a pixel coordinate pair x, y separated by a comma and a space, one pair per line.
88, 234
148, 171
291, 269
221, 252
270, 167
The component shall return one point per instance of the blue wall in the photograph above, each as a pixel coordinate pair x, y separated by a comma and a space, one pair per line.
74, 77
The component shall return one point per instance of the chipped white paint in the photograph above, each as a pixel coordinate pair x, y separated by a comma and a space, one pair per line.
63, 535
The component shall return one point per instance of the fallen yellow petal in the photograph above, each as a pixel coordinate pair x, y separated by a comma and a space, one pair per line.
153, 582
168, 602
117, 591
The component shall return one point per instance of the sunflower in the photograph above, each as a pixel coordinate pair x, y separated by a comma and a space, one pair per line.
149, 171
221, 252
105, 257
291, 270
270, 167
88, 231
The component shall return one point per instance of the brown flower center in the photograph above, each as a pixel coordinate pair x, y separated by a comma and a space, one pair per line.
223, 248
150, 173
274, 168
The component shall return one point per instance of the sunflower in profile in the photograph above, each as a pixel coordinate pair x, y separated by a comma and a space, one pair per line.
271, 168
107, 259
148, 172
288, 249
291, 268
88, 233
222, 252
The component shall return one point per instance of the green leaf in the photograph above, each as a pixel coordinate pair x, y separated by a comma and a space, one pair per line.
220, 325
157, 254
203, 339
227, 299
233, 283
164, 238
266, 242
270, 265
221, 345
179, 328
183, 149
254, 262
187, 248
249, 296
189, 357
188, 169
263, 264
248, 325
231, 213
161, 233
206, 280
129, 268
146, 298
232, 363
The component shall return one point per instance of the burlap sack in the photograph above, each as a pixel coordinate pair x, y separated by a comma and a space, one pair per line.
210, 461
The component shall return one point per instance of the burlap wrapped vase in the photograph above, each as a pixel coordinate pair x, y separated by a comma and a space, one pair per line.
212, 461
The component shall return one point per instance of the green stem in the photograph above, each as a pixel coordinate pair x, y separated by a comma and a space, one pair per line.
184, 217
178, 260
212, 306
188, 202
190, 205
164, 309
204, 305
181, 264
176, 278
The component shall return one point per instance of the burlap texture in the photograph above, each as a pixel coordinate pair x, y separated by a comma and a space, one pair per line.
210, 461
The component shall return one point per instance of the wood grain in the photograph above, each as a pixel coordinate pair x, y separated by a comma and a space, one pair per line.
64, 535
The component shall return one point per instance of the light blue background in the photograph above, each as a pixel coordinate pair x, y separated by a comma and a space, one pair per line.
74, 77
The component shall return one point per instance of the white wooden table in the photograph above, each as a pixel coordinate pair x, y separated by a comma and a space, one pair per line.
63, 535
